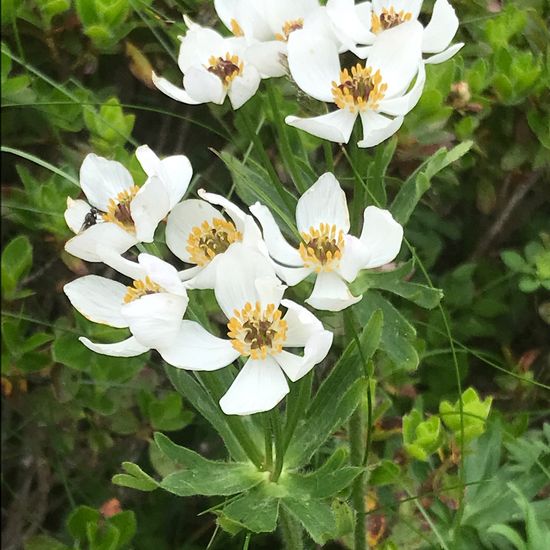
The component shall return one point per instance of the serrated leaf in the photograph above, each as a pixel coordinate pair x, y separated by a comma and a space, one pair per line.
254, 511
315, 515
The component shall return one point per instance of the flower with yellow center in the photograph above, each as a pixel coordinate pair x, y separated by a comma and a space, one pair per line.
119, 214
213, 68
378, 92
250, 296
289, 27
358, 26
151, 308
199, 234
327, 250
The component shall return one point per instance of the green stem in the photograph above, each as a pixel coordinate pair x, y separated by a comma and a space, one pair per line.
291, 531
298, 408
329, 157
213, 385
268, 439
285, 148
266, 161
356, 432
279, 450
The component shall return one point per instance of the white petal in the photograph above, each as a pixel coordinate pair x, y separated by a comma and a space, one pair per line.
381, 235
269, 290
194, 348
127, 348
352, 23
203, 86
244, 86
278, 247
98, 299
354, 257
239, 268
162, 273
301, 324
331, 293
175, 171
445, 54
89, 244
205, 277
441, 29
102, 180
76, 213
259, 386
324, 202
154, 319
397, 54
184, 217
316, 349
247, 14
173, 91
189, 273
281, 11
335, 126
197, 46
150, 205
314, 64
127, 267
401, 105
268, 57
291, 275
377, 128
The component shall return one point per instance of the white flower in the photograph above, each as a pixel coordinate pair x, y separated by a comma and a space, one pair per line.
362, 23
118, 213
251, 297
197, 233
152, 308
213, 67
267, 26
327, 249
369, 91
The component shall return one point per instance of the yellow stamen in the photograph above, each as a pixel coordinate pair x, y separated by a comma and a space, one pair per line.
359, 89
236, 28
289, 27
207, 240
141, 287
322, 248
119, 211
226, 68
388, 19
257, 332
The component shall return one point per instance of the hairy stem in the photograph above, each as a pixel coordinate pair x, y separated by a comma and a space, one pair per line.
291, 531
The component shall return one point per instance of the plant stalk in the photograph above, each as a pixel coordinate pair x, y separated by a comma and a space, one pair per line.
291, 531
279, 449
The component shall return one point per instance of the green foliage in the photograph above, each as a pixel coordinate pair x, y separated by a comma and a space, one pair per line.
16, 264
421, 437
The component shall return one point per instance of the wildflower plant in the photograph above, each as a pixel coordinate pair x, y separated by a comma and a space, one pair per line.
268, 309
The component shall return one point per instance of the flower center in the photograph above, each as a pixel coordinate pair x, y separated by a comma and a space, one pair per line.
226, 69
255, 332
206, 241
289, 27
388, 19
322, 248
119, 210
359, 90
236, 29
141, 287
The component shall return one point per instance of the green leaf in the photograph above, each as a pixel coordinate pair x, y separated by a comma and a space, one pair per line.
16, 263
167, 414
135, 478
421, 437
78, 520
420, 181
254, 511
515, 261
126, 524
392, 281
205, 477
315, 515
319, 484
385, 473
44, 542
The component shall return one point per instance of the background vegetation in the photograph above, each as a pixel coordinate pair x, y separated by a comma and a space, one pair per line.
76, 79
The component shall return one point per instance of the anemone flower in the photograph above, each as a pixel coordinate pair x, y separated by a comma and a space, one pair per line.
250, 295
362, 23
327, 249
377, 91
118, 214
152, 307
198, 233
213, 68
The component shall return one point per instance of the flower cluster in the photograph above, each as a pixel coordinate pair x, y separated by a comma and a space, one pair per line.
306, 41
229, 254
244, 257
